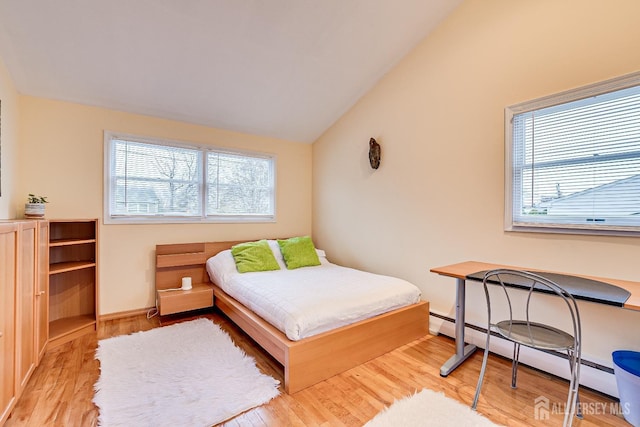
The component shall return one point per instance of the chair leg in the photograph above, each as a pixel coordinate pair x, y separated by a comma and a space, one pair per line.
482, 371
514, 364
576, 386
578, 409
573, 406
573, 402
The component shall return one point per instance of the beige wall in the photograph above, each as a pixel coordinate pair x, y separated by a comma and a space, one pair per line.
62, 158
8, 144
437, 197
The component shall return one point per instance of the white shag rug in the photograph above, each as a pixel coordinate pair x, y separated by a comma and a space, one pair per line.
428, 408
186, 374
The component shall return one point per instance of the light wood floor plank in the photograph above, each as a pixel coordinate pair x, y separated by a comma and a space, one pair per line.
60, 391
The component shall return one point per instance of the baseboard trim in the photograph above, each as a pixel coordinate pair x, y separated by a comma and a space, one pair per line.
124, 314
594, 376
584, 362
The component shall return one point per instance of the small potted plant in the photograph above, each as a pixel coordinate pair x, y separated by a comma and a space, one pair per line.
34, 208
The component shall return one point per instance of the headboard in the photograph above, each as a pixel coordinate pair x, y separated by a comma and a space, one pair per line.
175, 261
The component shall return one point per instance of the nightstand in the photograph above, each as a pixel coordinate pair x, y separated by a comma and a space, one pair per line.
177, 301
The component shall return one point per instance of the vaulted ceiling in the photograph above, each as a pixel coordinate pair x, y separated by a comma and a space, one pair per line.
280, 68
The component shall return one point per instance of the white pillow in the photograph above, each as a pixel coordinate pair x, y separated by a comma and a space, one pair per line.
220, 266
273, 244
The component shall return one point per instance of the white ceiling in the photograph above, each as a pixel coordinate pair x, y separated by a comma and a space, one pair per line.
281, 68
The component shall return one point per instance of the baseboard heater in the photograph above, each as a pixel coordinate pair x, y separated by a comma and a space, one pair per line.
554, 353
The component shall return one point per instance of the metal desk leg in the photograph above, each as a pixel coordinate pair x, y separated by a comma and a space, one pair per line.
462, 351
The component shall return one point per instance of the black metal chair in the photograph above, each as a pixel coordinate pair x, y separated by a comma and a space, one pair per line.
521, 330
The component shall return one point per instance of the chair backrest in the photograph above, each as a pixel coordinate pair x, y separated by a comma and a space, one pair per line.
510, 279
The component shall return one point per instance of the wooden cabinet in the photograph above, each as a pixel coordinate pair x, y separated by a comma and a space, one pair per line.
73, 279
8, 283
25, 303
42, 290
48, 290
23, 244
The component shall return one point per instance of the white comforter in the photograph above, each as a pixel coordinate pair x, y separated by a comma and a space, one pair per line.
310, 300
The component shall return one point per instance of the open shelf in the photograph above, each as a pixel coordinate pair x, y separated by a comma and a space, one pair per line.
62, 330
67, 325
73, 279
63, 267
66, 242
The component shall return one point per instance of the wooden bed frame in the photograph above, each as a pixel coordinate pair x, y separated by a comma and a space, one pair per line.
310, 360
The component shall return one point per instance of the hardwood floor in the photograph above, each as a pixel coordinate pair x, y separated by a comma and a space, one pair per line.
60, 392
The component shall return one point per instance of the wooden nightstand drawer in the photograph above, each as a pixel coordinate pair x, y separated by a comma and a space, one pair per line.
170, 302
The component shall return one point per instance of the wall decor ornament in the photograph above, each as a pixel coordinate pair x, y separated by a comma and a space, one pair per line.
374, 153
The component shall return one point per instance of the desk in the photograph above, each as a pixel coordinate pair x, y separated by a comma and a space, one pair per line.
460, 272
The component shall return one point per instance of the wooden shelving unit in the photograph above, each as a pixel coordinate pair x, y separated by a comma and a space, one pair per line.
73, 279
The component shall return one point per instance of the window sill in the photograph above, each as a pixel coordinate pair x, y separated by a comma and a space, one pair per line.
627, 232
180, 220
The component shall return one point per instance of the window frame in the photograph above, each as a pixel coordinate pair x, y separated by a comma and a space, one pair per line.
109, 163
607, 86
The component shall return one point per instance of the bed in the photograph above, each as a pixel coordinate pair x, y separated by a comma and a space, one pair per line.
307, 360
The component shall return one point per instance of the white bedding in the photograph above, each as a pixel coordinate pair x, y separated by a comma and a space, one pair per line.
310, 300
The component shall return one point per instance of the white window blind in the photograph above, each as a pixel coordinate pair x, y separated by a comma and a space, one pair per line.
162, 181
238, 184
575, 159
155, 179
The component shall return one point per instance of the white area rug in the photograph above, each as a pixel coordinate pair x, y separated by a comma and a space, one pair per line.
186, 374
428, 408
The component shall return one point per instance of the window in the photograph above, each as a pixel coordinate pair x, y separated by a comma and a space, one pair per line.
162, 181
573, 160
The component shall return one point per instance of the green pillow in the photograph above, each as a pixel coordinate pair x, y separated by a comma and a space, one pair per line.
298, 252
254, 256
